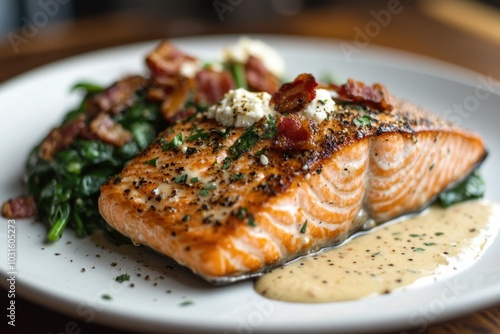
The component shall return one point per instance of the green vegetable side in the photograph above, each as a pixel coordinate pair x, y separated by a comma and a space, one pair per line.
472, 187
66, 188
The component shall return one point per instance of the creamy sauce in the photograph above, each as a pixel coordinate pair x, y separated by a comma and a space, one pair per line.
432, 245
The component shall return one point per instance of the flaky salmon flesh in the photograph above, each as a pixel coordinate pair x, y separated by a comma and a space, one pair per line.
229, 203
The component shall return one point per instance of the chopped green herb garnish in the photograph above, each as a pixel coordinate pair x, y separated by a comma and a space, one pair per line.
471, 188
251, 220
364, 120
270, 128
438, 234
416, 235
206, 189
260, 152
236, 177
186, 218
303, 228
223, 134
181, 179
198, 134
106, 297
419, 250
194, 180
243, 144
176, 142
241, 213
151, 162
122, 278
186, 303
226, 163
429, 244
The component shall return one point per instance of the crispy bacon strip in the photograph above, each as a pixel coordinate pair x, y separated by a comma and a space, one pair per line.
294, 96
166, 60
117, 97
174, 100
259, 79
212, 85
375, 96
21, 207
60, 138
295, 134
104, 128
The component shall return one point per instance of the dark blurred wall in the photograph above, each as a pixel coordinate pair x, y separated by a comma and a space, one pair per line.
14, 13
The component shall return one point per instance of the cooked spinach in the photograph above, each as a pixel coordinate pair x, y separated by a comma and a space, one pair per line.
471, 188
67, 188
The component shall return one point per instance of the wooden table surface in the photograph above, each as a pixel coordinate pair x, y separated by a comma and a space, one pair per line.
459, 32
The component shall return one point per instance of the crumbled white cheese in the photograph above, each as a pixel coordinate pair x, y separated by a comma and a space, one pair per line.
319, 108
246, 47
264, 160
189, 68
241, 108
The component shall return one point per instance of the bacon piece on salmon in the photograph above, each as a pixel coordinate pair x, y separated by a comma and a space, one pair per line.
214, 204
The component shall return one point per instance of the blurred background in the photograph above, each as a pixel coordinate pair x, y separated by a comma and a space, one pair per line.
35, 32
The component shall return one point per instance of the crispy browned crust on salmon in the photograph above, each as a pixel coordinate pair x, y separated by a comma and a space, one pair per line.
227, 219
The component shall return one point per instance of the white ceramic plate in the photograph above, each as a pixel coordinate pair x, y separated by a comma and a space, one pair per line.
34, 102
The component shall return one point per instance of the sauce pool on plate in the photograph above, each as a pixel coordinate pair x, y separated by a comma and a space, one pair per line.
432, 245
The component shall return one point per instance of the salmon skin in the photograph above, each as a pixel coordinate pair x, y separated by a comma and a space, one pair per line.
231, 203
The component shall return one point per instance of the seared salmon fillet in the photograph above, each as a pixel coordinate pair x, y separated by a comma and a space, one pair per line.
230, 203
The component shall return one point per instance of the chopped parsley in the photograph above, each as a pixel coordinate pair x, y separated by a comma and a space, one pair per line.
181, 179
106, 297
303, 228
270, 129
438, 234
186, 303
176, 142
122, 278
416, 235
226, 163
241, 213
151, 162
237, 177
364, 120
206, 189
223, 134
243, 144
198, 134
251, 220
419, 249
194, 180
